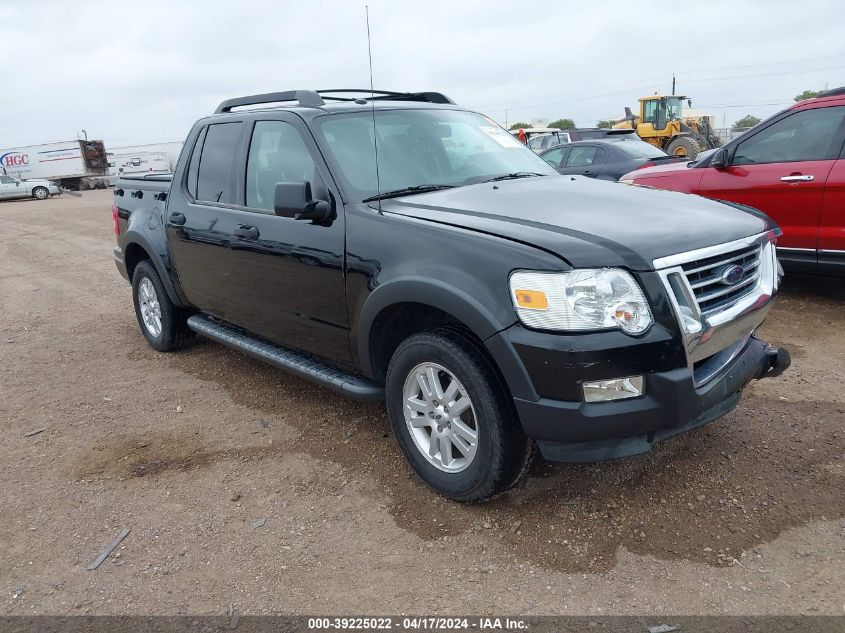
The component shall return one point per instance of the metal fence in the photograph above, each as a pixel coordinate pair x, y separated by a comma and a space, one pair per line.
728, 134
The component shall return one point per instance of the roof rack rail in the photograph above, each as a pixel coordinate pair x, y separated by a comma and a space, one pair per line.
833, 92
315, 98
307, 98
384, 95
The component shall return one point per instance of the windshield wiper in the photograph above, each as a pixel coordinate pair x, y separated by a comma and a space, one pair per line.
513, 176
395, 193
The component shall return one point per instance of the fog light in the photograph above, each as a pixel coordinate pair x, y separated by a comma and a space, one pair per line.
613, 389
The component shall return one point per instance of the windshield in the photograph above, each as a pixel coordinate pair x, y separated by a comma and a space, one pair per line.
421, 148
640, 149
673, 108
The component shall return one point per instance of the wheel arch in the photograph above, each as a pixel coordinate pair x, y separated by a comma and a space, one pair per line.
402, 307
137, 249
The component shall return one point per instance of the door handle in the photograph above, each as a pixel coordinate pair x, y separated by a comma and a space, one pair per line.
797, 178
247, 231
177, 218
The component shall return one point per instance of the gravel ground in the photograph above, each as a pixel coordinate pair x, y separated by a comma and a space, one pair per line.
245, 487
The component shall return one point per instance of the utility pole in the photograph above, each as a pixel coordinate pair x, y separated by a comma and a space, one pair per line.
506, 117
673, 84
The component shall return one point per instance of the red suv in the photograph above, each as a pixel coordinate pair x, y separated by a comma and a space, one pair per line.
791, 167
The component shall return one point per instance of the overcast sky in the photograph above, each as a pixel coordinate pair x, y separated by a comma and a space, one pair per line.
133, 72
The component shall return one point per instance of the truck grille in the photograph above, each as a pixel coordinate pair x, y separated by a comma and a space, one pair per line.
706, 278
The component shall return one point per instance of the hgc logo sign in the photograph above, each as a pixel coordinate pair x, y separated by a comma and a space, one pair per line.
14, 159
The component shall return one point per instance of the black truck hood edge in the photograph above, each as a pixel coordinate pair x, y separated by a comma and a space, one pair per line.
589, 223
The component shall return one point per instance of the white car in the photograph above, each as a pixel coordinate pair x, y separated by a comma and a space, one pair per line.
11, 188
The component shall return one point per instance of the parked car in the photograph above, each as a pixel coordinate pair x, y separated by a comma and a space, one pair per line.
540, 142
605, 160
595, 133
791, 167
540, 139
448, 270
12, 188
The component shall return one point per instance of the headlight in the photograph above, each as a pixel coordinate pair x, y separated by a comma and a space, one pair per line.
588, 299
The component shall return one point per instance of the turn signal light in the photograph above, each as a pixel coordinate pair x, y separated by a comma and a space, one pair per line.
531, 299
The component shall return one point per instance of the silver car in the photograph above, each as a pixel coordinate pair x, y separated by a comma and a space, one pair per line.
11, 188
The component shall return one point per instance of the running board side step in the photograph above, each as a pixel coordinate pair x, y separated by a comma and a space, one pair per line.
353, 386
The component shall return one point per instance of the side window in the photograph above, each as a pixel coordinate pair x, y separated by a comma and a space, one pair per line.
215, 176
805, 135
6, 180
581, 156
553, 157
650, 111
277, 153
194, 166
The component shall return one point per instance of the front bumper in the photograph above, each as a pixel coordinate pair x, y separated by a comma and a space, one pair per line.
672, 404
694, 365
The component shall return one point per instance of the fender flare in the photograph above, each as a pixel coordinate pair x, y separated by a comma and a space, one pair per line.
431, 292
134, 237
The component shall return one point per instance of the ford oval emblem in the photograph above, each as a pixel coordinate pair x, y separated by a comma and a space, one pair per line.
732, 275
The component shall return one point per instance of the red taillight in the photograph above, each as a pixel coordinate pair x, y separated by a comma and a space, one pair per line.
115, 219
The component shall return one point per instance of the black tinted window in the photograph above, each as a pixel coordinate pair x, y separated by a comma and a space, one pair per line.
214, 180
277, 153
193, 168
806, 135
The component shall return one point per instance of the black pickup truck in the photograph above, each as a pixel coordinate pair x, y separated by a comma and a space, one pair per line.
396, 246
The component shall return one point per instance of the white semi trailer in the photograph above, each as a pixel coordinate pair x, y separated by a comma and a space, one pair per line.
76, 164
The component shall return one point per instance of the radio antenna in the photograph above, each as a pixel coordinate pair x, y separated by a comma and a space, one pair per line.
372, 102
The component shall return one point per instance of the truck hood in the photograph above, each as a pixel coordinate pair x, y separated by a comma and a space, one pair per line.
588, 223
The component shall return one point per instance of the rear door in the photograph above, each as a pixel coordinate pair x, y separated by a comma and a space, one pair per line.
8, 186
200, 231
782, 170
583, 160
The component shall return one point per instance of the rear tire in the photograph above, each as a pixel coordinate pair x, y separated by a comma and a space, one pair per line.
475, 469
163, 323
40, 193
684, 146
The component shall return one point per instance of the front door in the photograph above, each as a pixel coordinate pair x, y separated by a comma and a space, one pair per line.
782, 170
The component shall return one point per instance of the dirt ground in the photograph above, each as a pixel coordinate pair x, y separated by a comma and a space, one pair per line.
245, 487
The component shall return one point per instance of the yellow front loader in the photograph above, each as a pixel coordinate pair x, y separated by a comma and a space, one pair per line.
661, 123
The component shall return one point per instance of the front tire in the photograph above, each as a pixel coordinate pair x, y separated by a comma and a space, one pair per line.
163, 323
453, 419
40, 193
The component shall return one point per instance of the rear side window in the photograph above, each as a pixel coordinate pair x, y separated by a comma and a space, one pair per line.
193, 167
215, 175
277, 153
805, 135
581, 156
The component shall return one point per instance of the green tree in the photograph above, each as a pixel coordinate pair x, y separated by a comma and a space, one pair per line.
749, 120
605, 124
807, 94
563, 124
518, 125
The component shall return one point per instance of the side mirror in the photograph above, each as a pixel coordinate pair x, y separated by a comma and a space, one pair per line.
293, 200
719, 160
